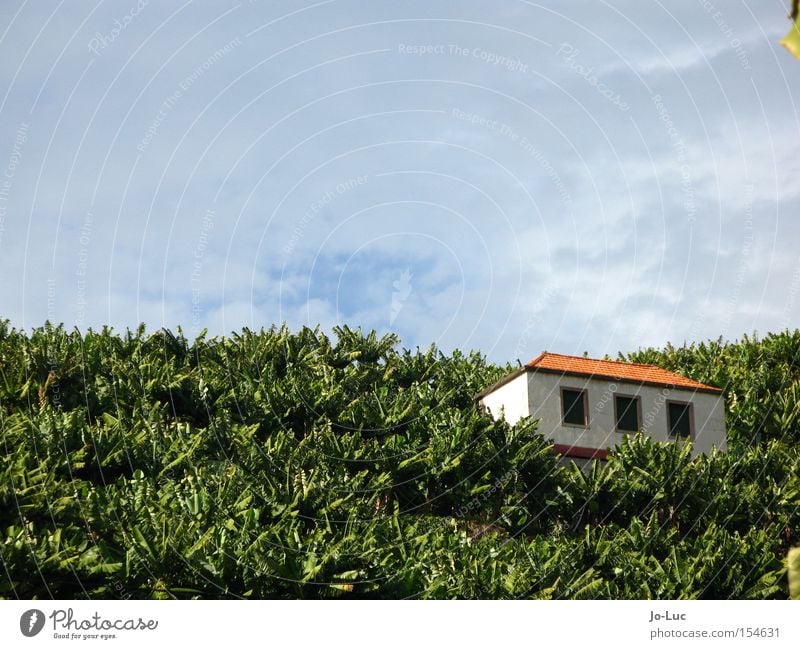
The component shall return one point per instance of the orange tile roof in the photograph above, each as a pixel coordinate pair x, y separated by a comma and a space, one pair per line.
616, 370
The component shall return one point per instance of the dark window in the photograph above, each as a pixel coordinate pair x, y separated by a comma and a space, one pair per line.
573, 407
627, 413
680, 420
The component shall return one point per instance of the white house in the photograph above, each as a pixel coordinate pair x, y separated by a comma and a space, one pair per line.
587, 406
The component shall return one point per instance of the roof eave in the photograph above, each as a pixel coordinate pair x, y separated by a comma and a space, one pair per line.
692, 388
499, 384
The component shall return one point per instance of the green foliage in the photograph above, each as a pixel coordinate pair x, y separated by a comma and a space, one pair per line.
279, 464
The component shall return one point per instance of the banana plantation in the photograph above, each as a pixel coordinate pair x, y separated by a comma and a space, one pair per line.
281, 464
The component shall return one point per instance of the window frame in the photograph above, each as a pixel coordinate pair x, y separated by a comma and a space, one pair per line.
584, 397
690, 407
638, 399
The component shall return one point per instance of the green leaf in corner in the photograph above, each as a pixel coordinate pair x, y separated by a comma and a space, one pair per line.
792, 40
794, 573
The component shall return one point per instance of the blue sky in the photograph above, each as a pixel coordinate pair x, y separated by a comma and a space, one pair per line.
510, 176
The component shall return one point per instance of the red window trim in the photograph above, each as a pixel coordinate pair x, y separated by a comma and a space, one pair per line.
581, 451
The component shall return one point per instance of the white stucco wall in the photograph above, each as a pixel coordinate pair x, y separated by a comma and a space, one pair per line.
510, 399
544, 391
539, 394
